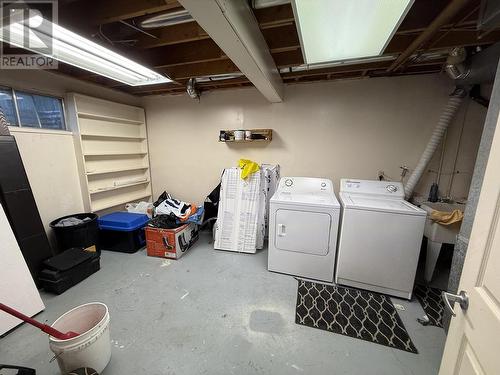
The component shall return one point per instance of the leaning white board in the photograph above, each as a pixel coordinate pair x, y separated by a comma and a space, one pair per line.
17, 288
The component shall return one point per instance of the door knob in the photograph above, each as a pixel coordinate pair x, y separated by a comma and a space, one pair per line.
461, 298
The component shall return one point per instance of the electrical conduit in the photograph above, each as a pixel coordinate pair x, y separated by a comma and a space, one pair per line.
445, 119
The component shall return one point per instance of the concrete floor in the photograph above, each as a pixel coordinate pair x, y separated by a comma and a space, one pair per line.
215, 312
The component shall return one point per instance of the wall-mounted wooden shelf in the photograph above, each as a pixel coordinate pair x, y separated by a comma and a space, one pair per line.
110, 188
115, 170
100, 117
110, 136
258, 135
104, 153
111, 144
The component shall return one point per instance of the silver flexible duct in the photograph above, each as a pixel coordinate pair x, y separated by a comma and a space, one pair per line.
445, 119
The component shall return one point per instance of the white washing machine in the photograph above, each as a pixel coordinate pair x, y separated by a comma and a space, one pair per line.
380, 237
303, 225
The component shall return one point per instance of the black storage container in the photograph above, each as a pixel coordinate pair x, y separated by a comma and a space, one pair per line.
84, 235
123, 231
20, 207
67, 269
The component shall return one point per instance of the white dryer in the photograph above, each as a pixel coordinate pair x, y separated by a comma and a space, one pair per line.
303, 225
380, 237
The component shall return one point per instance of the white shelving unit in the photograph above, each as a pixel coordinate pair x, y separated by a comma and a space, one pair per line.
111, 143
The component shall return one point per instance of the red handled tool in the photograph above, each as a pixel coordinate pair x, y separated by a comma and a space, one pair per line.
44, 327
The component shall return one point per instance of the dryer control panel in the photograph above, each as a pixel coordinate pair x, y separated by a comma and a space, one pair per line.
369, 187
304, 185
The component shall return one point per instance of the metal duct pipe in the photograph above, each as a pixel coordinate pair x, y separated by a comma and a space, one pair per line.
482, 66
453, 7
456, 67
167, 19
192, 90
259, 4
445, 119
183, 16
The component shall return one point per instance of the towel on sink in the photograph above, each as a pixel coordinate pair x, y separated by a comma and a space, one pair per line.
447, 217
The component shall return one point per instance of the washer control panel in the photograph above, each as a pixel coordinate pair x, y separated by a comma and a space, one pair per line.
372, 187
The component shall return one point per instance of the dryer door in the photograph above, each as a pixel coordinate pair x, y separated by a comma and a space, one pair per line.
302, 231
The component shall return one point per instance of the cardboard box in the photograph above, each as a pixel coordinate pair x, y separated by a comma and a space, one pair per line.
170, 243
270, 176
243, 209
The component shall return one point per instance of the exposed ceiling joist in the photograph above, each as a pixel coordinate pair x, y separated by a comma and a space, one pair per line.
185, 53
232, 25
112, 11
268, 18
274, 16
176, 34
444, 17
186, 71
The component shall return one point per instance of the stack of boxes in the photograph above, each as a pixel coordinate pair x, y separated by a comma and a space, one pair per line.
243, 213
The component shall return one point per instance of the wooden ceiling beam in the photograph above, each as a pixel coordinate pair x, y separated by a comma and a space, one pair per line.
444, 17
201, 85
186, 53
99, 12
282, 25
187, 71
288, 58
232, 24
359, 68
175, 34
446, 40
284, 38
274, 16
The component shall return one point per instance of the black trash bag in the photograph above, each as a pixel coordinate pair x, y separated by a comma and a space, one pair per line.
164, 222
211, 206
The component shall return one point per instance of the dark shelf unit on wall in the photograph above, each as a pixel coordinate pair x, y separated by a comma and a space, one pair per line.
257, 135
20, 207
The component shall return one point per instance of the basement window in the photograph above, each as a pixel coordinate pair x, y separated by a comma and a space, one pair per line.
32, 110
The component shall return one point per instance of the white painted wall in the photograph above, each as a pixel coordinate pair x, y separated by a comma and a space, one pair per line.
49, 156
351, 128
50, 163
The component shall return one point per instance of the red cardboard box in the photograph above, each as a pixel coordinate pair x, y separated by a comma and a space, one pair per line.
170, 243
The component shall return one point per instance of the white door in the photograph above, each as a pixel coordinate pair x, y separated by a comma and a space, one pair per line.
303, 232
473, 344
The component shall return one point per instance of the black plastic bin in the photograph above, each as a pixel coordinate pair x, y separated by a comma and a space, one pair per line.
85, 235
67, 269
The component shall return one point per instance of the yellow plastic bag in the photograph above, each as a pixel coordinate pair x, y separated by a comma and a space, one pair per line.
248, 167
447, 218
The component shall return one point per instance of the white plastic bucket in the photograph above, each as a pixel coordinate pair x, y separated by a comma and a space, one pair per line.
92, 348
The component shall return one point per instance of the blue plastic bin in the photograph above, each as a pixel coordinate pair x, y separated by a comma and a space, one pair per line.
122, 231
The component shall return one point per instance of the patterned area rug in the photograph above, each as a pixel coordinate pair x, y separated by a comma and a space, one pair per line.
351, 312
430, 299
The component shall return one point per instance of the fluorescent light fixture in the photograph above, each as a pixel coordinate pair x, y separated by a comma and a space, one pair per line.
334, 30
71, 48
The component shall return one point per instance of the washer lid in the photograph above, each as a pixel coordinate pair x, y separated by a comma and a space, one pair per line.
379, 204
306, 199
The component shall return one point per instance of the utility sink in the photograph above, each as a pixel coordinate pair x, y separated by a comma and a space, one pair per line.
438, 234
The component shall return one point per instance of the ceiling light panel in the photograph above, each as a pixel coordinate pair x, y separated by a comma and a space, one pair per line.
71, 48
335, 30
